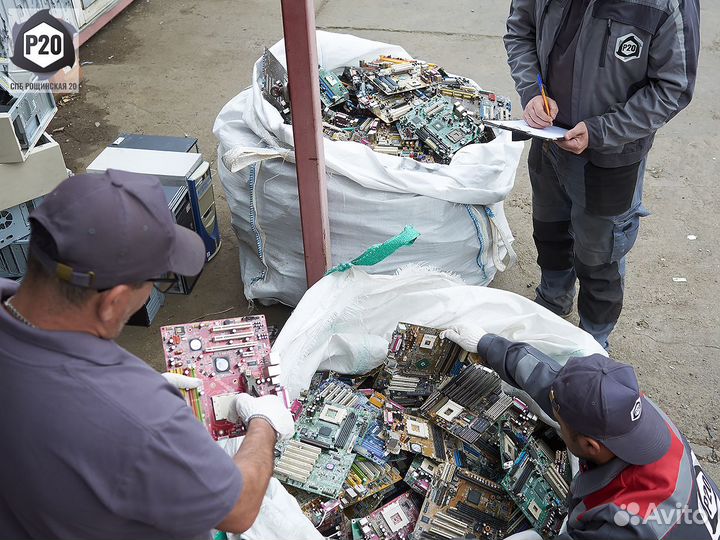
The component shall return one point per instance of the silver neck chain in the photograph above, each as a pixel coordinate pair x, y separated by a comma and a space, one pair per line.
16, 314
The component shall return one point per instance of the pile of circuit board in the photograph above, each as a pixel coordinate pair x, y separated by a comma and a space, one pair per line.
427, 446
400, 107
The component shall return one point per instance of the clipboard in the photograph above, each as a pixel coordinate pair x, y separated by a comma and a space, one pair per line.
552, 133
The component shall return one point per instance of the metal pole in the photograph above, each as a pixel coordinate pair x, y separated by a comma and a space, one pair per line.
302, 66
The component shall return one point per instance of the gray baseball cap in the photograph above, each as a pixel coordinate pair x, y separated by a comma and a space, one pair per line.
114, 228
600, 398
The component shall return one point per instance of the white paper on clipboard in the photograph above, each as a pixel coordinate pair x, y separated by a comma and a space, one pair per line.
552, 133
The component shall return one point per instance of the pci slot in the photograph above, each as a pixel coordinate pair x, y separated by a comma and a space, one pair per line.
448, 527
297, 461
227, 337
233, 326
246, 345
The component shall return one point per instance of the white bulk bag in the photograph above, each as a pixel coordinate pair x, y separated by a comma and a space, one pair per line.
457, 208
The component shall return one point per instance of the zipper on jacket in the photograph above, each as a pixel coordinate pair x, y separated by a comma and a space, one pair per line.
603, 51
542, 17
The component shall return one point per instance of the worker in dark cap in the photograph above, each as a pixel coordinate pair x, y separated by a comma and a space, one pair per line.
95, 443
639, 477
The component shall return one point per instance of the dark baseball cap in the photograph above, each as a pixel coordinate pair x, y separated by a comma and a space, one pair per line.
114, 228
600, 398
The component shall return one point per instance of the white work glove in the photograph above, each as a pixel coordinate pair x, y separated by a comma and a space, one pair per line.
182, 381
269, 407
465, 335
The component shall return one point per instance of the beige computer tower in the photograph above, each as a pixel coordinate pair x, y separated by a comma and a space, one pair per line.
43, 169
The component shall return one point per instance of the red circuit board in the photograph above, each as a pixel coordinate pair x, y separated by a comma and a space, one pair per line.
229, 356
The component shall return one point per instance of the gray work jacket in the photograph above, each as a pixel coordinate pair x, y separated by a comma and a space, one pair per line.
635, 67
671, 499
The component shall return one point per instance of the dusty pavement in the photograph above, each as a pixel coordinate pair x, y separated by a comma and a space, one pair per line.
168, 66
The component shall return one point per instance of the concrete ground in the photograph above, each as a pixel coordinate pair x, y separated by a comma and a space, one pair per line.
168, 66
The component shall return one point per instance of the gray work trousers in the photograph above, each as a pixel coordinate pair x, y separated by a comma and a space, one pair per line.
585, 221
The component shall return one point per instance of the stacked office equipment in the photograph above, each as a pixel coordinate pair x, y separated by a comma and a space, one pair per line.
31, 165
187, 182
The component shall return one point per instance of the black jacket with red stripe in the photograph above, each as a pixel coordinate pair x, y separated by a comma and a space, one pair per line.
671, 499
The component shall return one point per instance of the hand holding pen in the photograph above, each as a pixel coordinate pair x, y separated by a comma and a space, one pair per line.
541, 110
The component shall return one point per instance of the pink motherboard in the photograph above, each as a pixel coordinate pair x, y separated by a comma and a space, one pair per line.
229, 356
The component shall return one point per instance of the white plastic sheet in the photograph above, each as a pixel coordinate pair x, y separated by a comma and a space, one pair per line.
457, 208
344, 322
280, 516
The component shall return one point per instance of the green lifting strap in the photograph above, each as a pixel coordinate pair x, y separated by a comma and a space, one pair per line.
380, 252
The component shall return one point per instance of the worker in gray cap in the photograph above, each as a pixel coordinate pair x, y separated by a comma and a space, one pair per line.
95, 443
639, 477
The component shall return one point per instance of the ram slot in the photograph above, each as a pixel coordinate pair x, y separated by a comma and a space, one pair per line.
345, 430
448, 360
468, 390
431, 401
485, 447
498, 408
439, 403
480, 516
438, 441
526, 471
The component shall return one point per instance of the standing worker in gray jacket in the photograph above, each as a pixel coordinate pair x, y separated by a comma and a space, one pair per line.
616, 71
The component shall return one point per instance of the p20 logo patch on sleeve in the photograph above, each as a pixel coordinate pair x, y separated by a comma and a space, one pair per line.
628, 47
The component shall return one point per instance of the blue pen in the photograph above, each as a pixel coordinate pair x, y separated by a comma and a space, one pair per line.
544, 95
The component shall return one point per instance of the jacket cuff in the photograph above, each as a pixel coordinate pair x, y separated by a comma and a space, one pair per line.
484, 344
595, 139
